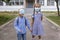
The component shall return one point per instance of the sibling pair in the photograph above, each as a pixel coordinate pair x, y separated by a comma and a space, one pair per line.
22, 22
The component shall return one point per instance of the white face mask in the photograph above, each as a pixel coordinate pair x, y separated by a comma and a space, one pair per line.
37, 9
21, 11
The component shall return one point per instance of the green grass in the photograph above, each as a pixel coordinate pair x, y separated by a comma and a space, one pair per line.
50, 13
55, 19
15, 12
6, 16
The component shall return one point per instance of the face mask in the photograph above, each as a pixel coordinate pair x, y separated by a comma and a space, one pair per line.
37, 9
22, 11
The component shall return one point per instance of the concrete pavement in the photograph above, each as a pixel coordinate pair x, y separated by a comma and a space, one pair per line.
8, 32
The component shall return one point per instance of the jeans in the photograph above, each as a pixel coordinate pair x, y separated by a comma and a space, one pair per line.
21, 36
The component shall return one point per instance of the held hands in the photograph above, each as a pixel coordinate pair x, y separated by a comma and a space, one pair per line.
31, 29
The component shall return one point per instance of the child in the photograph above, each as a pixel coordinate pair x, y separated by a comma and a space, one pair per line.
37, 28
20, 24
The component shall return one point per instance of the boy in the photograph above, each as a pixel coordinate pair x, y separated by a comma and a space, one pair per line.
20, 24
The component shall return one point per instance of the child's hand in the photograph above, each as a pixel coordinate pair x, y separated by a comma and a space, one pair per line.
31, 30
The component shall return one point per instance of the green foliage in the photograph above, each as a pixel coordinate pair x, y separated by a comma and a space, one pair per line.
6, 16
6, 0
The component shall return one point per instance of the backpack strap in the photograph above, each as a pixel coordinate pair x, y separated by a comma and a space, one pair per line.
25, 20
17, 20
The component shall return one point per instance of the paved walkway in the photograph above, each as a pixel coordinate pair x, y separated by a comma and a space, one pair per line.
8, 32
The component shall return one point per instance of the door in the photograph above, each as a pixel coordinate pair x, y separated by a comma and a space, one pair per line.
29, 3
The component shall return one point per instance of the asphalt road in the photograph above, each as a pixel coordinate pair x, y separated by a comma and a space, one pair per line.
8, 32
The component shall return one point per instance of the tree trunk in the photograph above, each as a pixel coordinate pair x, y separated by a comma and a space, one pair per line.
57, 8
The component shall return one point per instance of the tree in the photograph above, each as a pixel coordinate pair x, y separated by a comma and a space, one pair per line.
57, 7
6, 0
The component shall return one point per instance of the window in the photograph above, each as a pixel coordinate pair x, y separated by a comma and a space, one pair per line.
16, 2
41, 2
12, 2
1, 3
59, 2
21, 2
50, 2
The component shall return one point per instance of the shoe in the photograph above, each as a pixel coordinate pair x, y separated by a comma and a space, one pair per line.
40, 39
33, 38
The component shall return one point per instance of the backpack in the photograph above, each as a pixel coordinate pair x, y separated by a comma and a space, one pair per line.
18, 20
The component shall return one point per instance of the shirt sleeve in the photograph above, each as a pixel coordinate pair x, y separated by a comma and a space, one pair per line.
28, 24
16, 25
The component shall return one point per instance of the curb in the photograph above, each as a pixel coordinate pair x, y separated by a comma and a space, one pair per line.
52, 22
6, 23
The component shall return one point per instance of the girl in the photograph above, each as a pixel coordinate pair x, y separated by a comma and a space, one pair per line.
37, 28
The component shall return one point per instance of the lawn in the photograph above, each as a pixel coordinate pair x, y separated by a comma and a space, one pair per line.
6, 16
53, 16
50, 13
55, 19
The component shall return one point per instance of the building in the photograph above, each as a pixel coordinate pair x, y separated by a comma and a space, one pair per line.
47, 5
